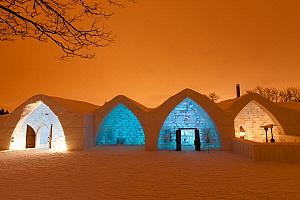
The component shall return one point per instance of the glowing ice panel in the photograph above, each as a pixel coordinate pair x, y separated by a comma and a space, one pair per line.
188, 114
251, 118
121, 126
40, 117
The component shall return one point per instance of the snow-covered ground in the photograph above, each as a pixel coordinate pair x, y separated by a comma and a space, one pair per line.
132, 173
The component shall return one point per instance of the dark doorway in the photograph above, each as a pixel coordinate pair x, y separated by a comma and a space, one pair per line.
30, 137
189, 138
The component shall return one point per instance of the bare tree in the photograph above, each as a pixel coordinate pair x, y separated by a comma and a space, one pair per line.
284, 96
294, 94
275, 94
272, 94
258, 89
213, 96
76, 26
290, 94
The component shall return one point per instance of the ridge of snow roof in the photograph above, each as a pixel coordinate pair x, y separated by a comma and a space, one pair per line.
62, 103
30, 100
76, 106
123, 99
187, 92
226, 104
238, 103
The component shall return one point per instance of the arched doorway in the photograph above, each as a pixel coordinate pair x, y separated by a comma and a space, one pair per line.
121, 126
30, 137
38, 122
250, 122
188, 116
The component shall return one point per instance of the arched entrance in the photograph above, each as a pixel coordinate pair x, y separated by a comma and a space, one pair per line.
188, 117
251, 121
121, 126
38, 123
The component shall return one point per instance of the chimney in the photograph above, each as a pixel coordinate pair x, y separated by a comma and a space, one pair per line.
238, 90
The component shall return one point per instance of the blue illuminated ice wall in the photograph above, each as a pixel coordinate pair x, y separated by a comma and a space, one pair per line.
188, 114
121, 126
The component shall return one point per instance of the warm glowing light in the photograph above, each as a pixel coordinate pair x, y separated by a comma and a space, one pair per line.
251, 118
40, 118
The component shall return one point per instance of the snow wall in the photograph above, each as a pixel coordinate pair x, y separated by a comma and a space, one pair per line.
283, 152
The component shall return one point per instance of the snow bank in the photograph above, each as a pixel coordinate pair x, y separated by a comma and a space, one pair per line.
132, 173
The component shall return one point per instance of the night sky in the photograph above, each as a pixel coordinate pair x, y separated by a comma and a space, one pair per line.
163, 47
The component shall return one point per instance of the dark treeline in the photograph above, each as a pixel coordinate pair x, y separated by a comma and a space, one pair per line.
2, 112
289, 94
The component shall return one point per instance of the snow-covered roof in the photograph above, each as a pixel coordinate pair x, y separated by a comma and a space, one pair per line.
60, 104
127, 101
76, 106
291, 105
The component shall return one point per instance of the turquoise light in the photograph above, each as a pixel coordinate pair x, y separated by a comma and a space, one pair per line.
121, 126
188, 114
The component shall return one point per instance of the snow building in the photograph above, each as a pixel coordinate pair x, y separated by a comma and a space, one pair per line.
45, 122
187, 121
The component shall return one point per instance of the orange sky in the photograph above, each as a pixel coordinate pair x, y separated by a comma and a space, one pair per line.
163, 47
